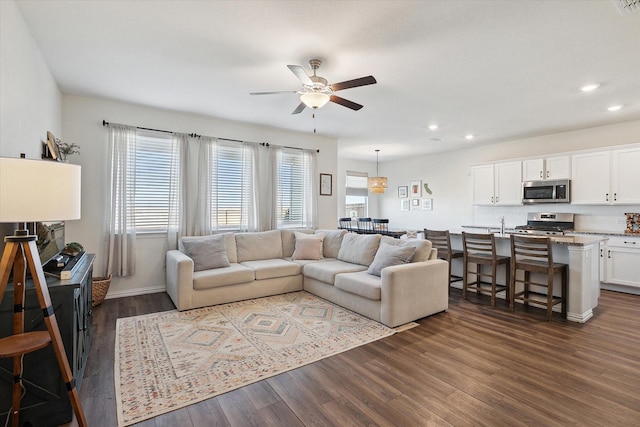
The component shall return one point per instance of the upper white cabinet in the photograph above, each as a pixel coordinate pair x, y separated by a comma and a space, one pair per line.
606, 177
548, 168
625, 176
497, 184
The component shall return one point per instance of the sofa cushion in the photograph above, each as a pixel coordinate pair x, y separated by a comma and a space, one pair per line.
270, 268
389, 255
232, 275
361, 283
259, 245
207, 252
423, 247
289, 240
332, 242
326, 271
359, 248
308, 248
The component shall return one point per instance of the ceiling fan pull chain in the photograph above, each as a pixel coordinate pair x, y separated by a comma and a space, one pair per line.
314, 122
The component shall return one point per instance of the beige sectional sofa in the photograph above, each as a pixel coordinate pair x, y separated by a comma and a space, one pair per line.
351, 270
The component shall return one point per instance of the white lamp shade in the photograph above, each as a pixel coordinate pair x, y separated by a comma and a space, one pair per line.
314, 100
38, 190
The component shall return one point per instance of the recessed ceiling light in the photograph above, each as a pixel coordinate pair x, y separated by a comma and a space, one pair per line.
433, 127
468, 137
614, 107
590, 87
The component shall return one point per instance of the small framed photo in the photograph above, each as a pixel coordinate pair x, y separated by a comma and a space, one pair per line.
415, 188
427, 204
415, 202
404, 204
326, 184
54, 150
403, 191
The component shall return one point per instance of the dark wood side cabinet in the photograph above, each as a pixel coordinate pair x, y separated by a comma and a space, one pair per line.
45, 401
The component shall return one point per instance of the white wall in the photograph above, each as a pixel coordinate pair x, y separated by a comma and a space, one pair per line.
30, 101
448, 176
82, 124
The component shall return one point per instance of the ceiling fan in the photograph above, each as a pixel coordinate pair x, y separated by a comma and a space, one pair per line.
316, 92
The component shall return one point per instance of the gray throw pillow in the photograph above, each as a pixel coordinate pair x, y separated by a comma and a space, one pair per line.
389, 255
207, 252
359, 248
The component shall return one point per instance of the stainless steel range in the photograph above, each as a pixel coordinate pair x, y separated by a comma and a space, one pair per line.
543, 223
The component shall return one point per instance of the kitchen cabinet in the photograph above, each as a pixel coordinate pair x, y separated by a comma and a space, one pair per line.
621, 256
606, 177
548, 168
497, 184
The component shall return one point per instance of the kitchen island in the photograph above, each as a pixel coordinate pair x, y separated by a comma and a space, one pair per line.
580, 253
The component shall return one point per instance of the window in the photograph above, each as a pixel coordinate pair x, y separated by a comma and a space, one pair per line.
153, 180
231, 186
295, 199
357, 195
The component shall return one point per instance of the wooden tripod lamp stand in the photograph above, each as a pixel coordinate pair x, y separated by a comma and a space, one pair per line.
34, 190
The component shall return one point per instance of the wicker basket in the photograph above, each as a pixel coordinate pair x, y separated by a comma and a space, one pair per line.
99, 289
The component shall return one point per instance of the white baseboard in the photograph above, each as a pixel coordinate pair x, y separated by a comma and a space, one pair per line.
137, 291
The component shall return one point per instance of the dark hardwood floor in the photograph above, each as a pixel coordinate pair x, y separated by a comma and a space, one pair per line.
472, 365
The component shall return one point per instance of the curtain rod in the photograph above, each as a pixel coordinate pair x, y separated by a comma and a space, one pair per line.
195, 135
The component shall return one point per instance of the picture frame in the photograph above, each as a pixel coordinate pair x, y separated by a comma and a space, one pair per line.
403, 191
427, 204
415, 188
54, 150
415, 202
326, 184
404, 204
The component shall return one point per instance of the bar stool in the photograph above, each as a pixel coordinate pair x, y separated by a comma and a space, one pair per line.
380, 225
345, 224
365, 226
480, 249
441, 240
534, 255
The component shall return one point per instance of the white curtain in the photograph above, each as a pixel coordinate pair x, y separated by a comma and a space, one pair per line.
214, 157
311, 189
120, 204
307, 190
178, 220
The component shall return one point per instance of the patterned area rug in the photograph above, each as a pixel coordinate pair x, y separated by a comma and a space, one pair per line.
166, 361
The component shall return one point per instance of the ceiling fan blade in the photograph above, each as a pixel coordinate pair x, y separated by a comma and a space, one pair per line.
272, 93
345, 102
299, 108
300, 74
362, 81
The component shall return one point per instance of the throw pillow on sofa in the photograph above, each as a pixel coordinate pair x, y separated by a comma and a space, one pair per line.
308, 246
359, 248
389, 255
207, 252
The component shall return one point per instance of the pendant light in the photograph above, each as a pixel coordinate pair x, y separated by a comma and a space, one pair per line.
377, 184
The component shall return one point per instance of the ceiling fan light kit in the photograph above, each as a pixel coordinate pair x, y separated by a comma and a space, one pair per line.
314, 100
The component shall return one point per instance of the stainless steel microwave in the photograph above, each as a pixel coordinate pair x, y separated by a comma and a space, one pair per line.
548, 191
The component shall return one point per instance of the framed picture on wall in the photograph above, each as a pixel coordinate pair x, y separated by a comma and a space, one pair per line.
404, 204
326, 184
403, 191
415, 188
427, 204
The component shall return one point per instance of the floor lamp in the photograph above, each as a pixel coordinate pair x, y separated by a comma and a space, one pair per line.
30, 191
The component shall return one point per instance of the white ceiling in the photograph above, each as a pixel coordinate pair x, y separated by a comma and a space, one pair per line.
501, 70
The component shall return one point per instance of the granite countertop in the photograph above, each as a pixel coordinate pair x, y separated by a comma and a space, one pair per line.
606, 233
561, 240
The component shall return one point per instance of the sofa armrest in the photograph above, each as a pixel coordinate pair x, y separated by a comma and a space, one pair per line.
413, 291
180, 279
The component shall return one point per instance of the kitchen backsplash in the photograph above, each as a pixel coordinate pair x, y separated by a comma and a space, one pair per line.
591, 218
